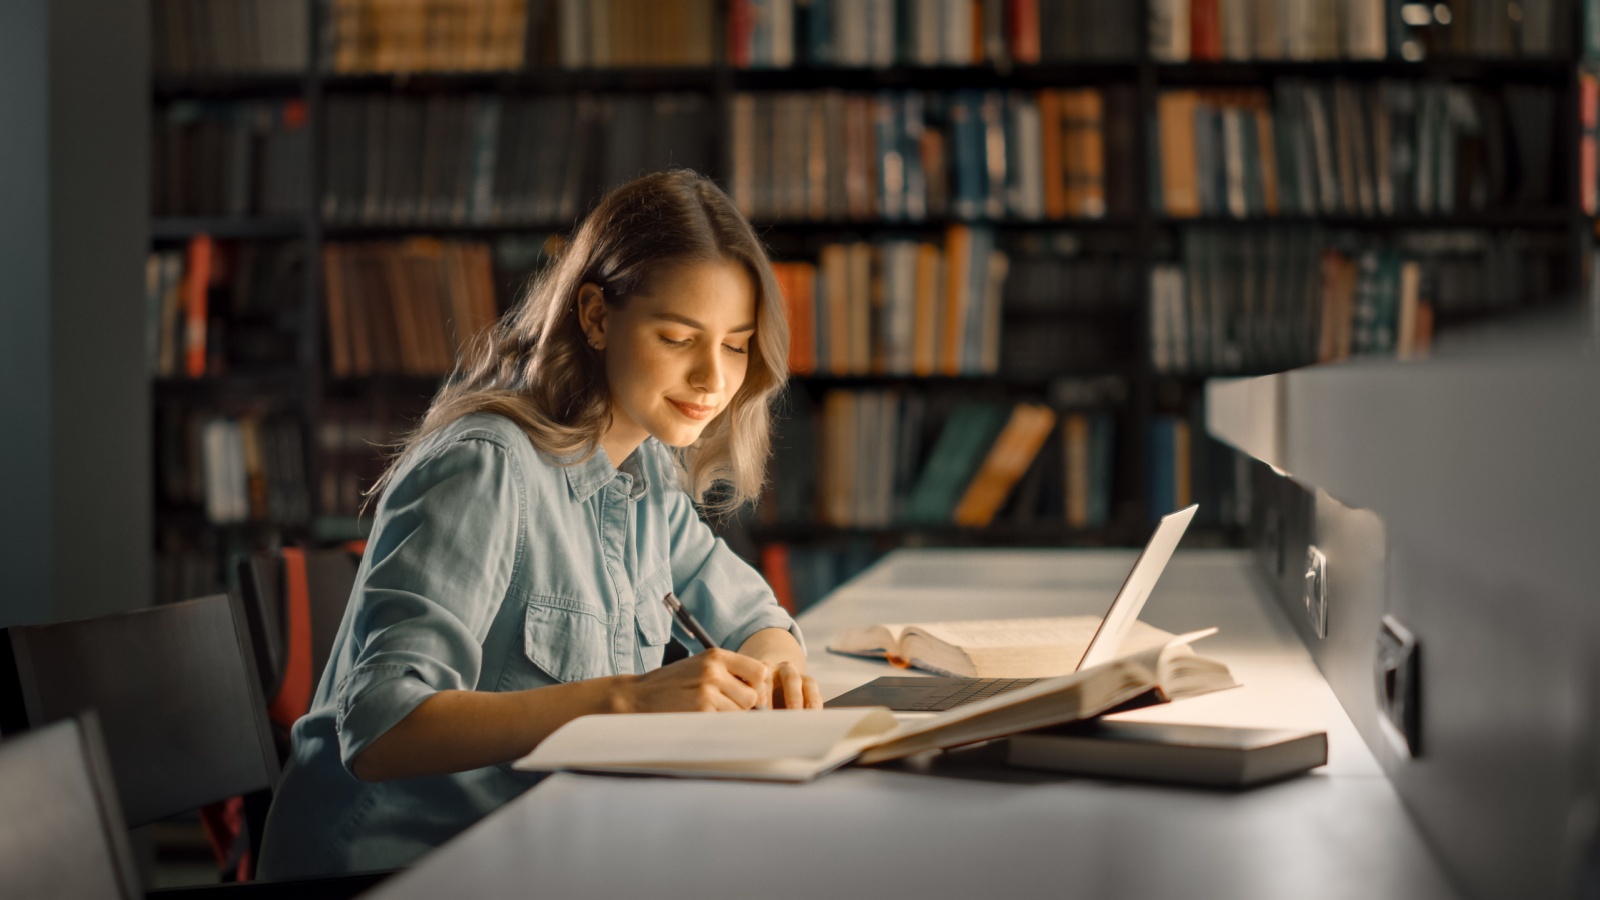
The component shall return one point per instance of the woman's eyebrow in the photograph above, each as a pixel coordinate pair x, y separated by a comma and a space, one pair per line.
685, 320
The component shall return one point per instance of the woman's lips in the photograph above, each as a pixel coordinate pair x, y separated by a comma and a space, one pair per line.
697, 413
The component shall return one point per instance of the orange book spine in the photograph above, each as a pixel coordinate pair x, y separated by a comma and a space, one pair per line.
1003, 467
197, 281
775, 568
957, 268
1055, 187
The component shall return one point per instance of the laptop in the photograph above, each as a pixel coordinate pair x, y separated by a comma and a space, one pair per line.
934, 694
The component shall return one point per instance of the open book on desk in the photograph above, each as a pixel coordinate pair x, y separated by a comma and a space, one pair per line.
990, 648
801, 744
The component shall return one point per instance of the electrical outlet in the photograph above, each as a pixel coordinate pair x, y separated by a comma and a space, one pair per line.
1317, 590
1398, 674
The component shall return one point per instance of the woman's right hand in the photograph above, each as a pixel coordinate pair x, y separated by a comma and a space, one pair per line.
716, 680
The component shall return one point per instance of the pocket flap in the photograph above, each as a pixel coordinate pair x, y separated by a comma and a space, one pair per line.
568, 644
655, 623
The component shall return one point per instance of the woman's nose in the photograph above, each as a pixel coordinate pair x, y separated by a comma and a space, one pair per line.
707, 374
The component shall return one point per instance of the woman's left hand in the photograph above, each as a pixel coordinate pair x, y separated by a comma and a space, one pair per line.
789, 688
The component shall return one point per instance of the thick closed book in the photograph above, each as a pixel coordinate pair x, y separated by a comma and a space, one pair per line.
797, 745
1160, 751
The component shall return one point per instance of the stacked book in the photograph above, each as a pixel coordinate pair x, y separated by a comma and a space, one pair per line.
405, 308
779, 34
381, 36
236, 158
898, 307
1209, 30
354, 439
199, 37
488, 159
917, 155
623, 33
1252, 302
893, 457
216, 307
1390, 148
246, 467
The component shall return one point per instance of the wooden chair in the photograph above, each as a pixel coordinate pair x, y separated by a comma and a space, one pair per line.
62, 834
177, 692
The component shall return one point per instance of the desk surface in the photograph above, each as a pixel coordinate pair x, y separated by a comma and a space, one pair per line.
960, 825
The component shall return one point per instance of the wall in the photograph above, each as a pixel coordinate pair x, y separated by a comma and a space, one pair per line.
74, 393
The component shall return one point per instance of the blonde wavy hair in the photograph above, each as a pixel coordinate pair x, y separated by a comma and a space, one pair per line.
536, 368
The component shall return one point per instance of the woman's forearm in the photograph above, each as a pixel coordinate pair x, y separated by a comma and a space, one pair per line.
455, 731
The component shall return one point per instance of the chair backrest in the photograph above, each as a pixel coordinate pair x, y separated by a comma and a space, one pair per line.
177, 691
278, 589
62, 834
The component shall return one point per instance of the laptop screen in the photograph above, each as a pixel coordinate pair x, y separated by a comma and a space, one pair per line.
1136, 589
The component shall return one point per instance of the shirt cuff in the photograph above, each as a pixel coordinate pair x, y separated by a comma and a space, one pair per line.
372, 700
773, 617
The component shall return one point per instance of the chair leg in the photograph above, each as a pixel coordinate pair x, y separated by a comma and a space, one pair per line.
255, 816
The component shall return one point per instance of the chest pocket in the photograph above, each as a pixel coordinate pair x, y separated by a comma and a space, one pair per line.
565, 639
652, 618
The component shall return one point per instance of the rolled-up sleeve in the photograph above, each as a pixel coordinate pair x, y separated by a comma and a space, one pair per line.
730, 598
441, 563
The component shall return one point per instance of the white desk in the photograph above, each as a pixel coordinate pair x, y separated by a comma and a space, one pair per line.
958, 825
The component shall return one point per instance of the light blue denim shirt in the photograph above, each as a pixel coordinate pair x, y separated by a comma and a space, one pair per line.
492, 568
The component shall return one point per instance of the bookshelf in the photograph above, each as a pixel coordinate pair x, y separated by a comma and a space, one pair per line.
1123, 376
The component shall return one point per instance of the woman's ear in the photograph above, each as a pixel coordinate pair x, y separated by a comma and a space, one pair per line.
592, 314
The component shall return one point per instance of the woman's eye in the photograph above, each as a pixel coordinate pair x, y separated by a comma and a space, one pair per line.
672, 343
739, 350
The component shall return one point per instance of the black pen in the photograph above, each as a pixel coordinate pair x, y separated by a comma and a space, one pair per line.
688, 621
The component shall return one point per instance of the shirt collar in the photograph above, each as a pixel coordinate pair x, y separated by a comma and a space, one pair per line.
588, 477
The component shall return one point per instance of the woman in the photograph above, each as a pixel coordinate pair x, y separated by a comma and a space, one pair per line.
528, 531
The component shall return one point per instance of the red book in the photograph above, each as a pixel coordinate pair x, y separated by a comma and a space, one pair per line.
775, 568
1589, 115
1205, 30
1022, 27
196, 281
739, 27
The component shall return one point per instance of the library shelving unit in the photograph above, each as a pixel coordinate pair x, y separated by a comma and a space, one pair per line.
274, 169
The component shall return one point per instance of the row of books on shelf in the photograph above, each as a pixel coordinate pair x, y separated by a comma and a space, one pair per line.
1589, 138
217, 306
1357, 149
232, 158
426, 35
234, 468
405, 307
1211, 30
882, 458
354, 441
800, 574
781, 34
897, 307
1263, 302
243, 36
913, 155
485, 159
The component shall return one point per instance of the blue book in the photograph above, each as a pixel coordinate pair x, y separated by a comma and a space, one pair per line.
1163, 466
912, 126
960, 448
978, 300
891, 156
971, 165
1101, 468
819, 33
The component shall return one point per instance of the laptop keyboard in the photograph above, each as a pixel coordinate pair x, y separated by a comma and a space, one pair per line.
968, 692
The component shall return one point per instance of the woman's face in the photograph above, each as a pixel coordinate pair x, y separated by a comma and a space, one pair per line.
676, 356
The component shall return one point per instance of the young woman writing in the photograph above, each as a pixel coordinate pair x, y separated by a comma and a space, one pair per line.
528, 530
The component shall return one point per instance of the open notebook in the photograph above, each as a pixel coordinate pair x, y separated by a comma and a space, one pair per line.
798, 745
